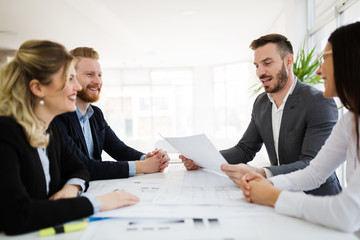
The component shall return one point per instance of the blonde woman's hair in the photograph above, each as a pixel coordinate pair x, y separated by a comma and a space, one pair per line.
35, 59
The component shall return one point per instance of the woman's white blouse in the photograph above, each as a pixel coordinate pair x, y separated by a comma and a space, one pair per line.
341, 211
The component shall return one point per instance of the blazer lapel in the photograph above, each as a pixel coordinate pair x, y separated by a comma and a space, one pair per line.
78, 131
287, 117
37, 162
94, 133
268, 133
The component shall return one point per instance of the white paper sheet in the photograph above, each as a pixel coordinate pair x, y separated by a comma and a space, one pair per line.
175, 186
200, 150
188, 228
142, 210
198, 187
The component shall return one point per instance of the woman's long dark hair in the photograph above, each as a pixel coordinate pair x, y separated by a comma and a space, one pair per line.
345, 43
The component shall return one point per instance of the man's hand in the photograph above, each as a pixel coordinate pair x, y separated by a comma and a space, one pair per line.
155, 161
236, 172
116, 199
188, 163
153, 153
68, 191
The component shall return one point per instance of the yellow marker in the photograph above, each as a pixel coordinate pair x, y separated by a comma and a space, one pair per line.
69, 227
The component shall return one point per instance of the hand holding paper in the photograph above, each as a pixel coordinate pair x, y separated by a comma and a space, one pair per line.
189, 163
200, 150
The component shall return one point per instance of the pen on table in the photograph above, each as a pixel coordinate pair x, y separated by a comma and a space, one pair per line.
93, 219
68, 227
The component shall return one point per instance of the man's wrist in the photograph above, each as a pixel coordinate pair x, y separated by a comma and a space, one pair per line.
268, 173
132, 168
261, 171
139, 166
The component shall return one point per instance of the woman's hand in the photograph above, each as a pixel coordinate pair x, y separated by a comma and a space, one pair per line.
257, 189
236, 171
68, 191
117, 199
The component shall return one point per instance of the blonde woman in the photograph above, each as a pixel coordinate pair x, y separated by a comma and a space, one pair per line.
40, 177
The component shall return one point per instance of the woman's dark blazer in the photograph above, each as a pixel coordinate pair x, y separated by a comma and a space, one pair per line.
24, 202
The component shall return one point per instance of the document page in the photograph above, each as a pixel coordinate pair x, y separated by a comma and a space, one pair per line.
200, 149
179, 193
198, 187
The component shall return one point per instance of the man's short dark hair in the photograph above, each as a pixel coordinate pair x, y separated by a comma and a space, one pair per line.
283, 44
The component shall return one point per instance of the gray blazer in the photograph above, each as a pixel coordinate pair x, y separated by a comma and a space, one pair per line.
307, 121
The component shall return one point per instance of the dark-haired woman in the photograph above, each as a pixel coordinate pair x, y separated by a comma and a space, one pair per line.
341, 73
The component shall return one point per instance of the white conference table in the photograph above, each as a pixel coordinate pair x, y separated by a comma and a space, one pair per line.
180, 204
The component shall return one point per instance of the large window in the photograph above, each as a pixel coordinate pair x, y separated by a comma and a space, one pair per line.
326, 16
352, 13
231, 100
140, 104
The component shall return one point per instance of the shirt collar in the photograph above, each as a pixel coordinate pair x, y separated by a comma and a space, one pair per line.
290, 91
89, 112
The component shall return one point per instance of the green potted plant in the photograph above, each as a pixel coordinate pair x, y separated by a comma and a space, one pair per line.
305, 66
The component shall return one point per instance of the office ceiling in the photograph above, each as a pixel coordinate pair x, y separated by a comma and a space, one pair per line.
143, 33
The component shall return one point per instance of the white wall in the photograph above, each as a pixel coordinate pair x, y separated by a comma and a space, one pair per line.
203, 99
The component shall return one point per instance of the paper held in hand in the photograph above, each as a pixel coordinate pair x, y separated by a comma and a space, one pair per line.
200, 150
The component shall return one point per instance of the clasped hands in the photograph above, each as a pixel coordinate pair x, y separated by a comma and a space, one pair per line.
155, 161
251, 180
255, 187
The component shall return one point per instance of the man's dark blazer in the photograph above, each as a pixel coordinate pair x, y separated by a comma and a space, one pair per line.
104, 139
24, 204
307, 121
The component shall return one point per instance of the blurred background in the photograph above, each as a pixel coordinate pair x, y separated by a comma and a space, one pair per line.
174, 67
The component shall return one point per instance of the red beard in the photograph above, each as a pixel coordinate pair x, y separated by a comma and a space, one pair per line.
83, 95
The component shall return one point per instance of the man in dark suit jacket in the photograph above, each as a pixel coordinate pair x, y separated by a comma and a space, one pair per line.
87, 132
292, 119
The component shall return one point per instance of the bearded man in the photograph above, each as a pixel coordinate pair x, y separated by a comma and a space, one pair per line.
87, 133
291, 118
